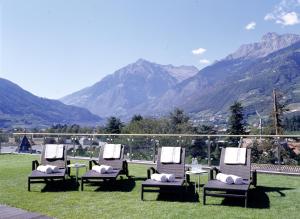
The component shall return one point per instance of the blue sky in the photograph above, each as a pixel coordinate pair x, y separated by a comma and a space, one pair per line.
52, 47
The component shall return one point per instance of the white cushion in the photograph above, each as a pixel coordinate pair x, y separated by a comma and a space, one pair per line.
170, 154
235, 155
112, 151
54, 151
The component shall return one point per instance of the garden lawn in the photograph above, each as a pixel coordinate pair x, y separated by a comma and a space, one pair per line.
275, 197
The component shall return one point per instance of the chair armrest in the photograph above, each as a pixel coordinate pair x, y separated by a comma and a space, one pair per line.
149, 172
213, 173
254, 177
91, 162
34, 164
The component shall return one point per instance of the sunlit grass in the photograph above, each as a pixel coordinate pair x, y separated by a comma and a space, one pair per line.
276, 197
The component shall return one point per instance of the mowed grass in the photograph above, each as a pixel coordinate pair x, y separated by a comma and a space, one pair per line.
275, 197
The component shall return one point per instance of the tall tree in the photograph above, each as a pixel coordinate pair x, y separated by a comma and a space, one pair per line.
236, 119
277, 114
147, 125
136, 118
179, 121
114, 125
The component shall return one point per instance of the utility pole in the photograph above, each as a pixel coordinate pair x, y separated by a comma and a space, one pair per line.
275, 111
260, 124
209, 152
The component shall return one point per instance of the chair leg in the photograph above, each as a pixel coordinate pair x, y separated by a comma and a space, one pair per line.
81, 184
142, 193
64, 183
28, 182
246, 199
254, 179
204, 196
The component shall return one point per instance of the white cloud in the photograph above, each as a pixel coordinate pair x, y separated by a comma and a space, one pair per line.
285, 13
198, 51
204, 61
288, 19
269, 17
250, 26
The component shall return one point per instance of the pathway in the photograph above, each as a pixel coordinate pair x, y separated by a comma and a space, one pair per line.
7, 212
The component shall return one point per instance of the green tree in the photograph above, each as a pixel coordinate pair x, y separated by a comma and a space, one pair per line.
256, 153
198, 148
236, 119
148, 125
114, 125
136, 118
179, 122
205, 129
277, 114
236, 122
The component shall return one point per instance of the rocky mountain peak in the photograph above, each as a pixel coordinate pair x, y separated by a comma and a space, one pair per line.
270, 36
145, 67
141, 62
270, 42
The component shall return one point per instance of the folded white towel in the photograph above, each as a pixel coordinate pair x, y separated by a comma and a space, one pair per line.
54, 169
54, 151
44, 169
224, 178
108, 169
170, 155
102, 169
159, 177
170, 177
235, 155
112, 151
98, 169
237, 180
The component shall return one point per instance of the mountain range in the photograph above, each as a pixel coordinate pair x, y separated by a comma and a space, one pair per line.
19, 108
129, 88
248, 75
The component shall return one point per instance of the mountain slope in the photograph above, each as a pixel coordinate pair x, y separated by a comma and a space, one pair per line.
21, 108
181, 73
249, 80
128, 88
249, 75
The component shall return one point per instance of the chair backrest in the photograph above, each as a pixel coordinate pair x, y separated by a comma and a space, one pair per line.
59, 162
115, 163
241, 170
178, 169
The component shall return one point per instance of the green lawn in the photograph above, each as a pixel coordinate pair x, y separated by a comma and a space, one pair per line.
275, 197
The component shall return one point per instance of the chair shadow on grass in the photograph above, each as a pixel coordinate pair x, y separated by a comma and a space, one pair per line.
257, 197
70, 184
119, 185
183, 194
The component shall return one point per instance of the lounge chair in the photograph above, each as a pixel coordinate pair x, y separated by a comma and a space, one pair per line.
178, 169
41, 177
119, 165
217, 188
